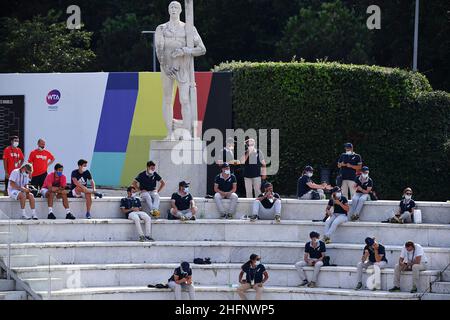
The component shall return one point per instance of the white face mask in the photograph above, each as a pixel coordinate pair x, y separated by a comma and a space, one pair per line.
227, 172
150, 172
186, 189
338, 194
314, 240
407, 196
41, 148
258, 262
134, 195
309, 174
83, 169
15, 144
349, 152
365, 175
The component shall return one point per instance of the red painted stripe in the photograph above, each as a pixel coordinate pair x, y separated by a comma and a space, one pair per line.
203, 80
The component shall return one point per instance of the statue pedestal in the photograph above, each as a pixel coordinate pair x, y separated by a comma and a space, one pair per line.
180, 160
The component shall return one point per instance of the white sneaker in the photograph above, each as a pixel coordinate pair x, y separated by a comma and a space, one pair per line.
25, 217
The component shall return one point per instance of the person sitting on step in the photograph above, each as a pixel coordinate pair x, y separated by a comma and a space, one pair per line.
132, 208
55, 184
314, 254
255, 277
364, 185
182, 279
307, 189
412, 258
405, 213
80, 178
182, 203
146, 181
373, 254
225, 185
19, 189
267, 205
339, 215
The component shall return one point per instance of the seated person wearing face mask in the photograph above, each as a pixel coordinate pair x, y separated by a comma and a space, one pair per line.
80, 178
364, 186
225, 185
374, 254
339, 203
182, 202
314, 254
146, 181
132, 208
18, 189
255, 277
267, 205
307, 189
182, 279
55, 185
405, 213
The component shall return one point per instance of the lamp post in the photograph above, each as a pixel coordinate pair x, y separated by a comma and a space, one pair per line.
416, 35
154, 48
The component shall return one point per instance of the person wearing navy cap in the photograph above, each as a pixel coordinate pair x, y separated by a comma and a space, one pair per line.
225, 185
307, 189
182, 279
364, 185
349, 164
373, 254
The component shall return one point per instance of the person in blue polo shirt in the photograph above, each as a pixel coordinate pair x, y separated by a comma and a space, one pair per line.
182, 279
182, 203
349, 164
267, 205
407, 205
307, 189
225, 185
339, 203
131, 207
364, 185
314, 254
374, 254
147, 181
255, 277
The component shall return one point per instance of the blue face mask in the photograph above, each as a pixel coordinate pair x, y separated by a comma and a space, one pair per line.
186, 189
59, 174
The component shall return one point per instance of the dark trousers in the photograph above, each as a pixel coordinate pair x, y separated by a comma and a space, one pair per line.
6, 186
38, 181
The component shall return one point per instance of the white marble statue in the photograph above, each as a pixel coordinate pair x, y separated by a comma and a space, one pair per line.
176, 57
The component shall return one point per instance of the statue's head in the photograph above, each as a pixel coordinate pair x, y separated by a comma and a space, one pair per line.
175, 9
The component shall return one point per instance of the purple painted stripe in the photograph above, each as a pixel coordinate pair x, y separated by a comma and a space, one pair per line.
117, 112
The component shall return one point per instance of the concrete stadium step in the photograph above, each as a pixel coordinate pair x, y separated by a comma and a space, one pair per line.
44, 283
7, 285
102, 275
441, 287
225, 293
108, 207
13, 295
218, 251
19, 260
224, 230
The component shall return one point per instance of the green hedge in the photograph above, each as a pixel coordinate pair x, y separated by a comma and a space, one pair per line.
396, 122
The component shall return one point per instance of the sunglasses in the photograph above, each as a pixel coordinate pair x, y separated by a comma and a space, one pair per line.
409, 194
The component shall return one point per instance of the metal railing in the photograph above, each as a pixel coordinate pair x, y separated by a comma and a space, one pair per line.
438, 278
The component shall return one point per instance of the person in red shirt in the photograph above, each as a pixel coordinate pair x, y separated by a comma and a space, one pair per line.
40, 159
55, 184
12, 159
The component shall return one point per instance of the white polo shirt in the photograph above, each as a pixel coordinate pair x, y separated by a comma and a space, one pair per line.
409, 256
19, 179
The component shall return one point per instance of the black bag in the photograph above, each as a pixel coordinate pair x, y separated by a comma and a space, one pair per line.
326, 261
315, 195
339, 180
373, 196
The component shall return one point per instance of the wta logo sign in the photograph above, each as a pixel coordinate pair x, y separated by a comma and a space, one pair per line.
53, 97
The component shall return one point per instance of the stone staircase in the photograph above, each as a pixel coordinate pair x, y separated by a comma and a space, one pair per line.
101, 259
